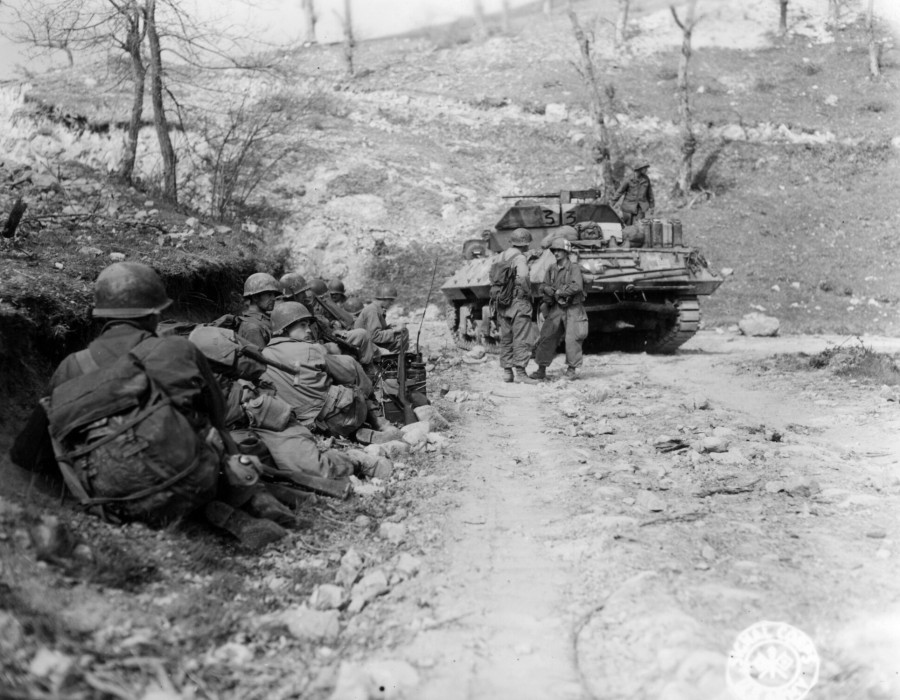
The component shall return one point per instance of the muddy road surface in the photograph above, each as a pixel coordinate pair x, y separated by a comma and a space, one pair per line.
611, 537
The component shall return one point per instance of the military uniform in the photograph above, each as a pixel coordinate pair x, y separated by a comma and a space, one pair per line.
637, 196
563, 293
517, 331
255, 327
328, 391
371, 319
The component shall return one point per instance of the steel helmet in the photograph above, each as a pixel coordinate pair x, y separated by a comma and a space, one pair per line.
640, 165
561, 244
128, 290
353, 305
286, 314
336, 286
318, 287
386, 291
293, 283
260, 282
520, 237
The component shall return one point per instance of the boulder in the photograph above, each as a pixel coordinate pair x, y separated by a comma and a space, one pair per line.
312, 625
759, 325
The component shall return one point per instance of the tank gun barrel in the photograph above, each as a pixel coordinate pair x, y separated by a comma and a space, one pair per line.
562, 194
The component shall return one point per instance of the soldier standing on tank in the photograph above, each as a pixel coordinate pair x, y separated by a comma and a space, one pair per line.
517, 333
260, 292
563, 310
371, 318
637, 195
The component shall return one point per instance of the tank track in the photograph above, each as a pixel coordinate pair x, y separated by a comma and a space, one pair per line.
686, 325
491, 347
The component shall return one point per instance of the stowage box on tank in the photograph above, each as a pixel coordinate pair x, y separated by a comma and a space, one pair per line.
641, 283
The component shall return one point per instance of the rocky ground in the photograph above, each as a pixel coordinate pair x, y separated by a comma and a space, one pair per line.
605, 538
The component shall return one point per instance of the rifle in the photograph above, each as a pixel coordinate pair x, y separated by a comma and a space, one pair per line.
409, 415
425, 310
338, 488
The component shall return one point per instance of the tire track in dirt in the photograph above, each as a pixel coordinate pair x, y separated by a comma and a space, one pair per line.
514, 640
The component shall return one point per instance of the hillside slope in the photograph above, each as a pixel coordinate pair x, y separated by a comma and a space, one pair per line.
394, 168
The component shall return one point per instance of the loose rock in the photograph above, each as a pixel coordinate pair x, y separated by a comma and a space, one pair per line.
327, 596
760, 325
312, 625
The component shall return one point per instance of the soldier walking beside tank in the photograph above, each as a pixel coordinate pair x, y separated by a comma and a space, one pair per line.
517, 332
260, 292
563, 309
636, 194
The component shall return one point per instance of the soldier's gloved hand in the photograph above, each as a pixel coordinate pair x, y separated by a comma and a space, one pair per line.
545, 309
333, 348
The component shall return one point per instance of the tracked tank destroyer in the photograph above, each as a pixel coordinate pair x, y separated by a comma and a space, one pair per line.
642, 283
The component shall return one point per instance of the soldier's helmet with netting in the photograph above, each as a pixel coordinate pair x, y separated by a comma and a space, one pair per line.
129, 290
292, 284
318, 286
520, 237
260, 282
286, 314
386, 291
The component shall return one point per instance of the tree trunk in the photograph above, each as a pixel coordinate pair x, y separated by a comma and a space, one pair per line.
688, 140
874, 45
601, 141
622, 22
782, 17
834, 13
309, 14
548, 7
349, 41
138, 75
480, 22
170, 184
505, 16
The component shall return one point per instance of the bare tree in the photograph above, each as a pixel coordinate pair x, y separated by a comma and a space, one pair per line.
622, 22
349, 40
688, 140
782, 16
547, 7
160, 121
142, 30
134, 39
309, 15
834, 12
875, 46
480, 21
601, 146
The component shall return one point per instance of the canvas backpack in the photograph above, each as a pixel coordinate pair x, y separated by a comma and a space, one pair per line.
125, 451
503, 282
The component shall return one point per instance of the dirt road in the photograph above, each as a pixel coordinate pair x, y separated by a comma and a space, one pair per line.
582, 561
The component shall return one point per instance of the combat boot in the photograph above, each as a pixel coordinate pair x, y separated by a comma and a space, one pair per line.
368, 436
508, 375
253, 533
571, 373
540, 373
523, 378
263, 504
369, 465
